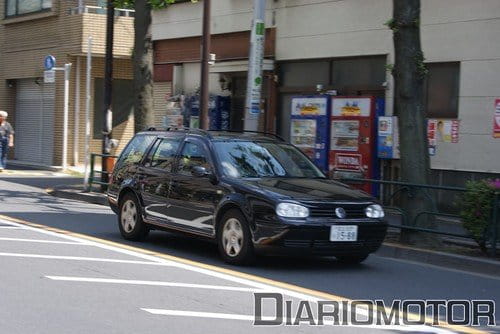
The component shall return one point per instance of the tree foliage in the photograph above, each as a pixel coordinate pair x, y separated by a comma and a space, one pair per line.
155, 4
476, 209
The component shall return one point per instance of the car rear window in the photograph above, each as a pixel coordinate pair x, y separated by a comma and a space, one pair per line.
135, 150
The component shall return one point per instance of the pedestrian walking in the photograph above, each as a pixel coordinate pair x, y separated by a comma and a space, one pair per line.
6, 138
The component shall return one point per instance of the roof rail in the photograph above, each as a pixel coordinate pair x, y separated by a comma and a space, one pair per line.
188, 130
258, 132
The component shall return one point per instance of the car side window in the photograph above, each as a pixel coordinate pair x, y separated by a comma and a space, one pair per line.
135, 150
164, 154
193, 154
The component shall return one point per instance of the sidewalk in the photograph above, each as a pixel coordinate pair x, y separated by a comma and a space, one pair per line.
479, 265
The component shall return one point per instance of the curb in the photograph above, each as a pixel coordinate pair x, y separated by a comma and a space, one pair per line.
389, 250
442, 259
93, 198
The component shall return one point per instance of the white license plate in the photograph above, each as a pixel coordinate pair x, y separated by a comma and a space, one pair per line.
344, 233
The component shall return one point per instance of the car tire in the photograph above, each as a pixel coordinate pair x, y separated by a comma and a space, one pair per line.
352, 259
130, 222
234, 239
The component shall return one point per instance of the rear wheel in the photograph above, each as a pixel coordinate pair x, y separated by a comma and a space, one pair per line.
234, 238
130, 222
352, 259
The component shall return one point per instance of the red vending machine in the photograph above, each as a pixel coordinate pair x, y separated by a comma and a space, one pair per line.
352, 144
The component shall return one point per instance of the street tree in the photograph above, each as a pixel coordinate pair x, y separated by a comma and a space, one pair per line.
409, 74
142, 58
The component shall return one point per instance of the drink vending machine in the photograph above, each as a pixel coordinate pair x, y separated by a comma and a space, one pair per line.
353, 142
309, 128
219, 110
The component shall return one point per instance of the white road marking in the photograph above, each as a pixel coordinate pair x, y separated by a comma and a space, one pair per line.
79, 258
203, 314
12, 227
45, 241
153, 283
245, 317
94, 243
159, 261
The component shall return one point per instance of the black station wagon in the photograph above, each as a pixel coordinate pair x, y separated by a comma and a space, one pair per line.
251, 193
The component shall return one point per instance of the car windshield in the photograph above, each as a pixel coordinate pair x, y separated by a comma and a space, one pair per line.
253, 159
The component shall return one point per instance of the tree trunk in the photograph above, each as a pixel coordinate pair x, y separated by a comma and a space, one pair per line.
409, 74
143, 67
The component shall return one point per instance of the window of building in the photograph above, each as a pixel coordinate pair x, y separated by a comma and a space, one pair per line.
20, 7
303, 74
441, 90
122, 103
359, 73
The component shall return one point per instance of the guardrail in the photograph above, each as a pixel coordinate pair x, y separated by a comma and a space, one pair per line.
92, 175
412, 188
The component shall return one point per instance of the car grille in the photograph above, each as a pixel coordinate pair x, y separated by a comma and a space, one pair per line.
327, 210
369, 237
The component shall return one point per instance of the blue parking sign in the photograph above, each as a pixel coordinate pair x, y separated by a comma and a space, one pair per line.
49, 62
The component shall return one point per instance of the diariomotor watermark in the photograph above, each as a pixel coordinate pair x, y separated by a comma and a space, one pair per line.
270, 309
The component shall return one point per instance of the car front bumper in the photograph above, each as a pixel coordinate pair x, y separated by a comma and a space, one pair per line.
314, 239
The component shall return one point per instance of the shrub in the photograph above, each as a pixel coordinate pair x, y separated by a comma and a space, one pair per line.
476, 209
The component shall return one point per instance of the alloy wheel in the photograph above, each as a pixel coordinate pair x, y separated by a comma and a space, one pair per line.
232, 237
128, 216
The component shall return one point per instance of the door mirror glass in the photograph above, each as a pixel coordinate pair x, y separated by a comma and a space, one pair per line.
199, 171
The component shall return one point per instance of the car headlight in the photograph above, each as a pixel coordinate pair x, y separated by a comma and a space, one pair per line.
291, 210
374, 211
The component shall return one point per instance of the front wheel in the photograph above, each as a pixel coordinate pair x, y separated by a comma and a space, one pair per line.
352, 259
234, 239
130, 222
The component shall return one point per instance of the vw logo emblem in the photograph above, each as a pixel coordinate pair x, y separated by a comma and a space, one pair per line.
340, 212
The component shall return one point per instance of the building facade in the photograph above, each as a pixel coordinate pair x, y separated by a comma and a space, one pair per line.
343, 45
32, 30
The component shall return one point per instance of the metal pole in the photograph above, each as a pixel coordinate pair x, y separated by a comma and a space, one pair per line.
87, 112
108, 88
77, 112
67, 69
255, 60
205, 57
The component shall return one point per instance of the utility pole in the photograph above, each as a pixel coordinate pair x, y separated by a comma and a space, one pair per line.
205, 57
108, 90
255, 60
67, 69
87, 111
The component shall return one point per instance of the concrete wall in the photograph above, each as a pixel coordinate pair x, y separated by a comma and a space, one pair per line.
452, 30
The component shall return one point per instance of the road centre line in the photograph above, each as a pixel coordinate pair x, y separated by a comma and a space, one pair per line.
80, 258
211, 270
153, 283
245, 317
45, 241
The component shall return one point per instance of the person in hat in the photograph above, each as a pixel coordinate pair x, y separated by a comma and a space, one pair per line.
6, 138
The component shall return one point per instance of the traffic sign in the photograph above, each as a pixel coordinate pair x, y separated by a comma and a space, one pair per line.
49, 76
49, 62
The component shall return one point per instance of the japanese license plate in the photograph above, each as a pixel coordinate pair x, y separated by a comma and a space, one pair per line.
344, 233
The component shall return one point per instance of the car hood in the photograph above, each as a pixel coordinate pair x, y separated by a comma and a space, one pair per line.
307, 189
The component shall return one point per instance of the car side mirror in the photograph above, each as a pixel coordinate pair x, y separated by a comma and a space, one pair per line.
200, 171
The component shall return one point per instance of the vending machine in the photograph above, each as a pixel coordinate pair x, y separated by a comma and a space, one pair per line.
309, 127
353, 138
219, 110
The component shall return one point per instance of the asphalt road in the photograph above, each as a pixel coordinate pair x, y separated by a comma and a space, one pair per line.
377, 278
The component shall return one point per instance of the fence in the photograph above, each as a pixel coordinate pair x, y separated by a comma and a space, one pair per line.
92, 175
397, 187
